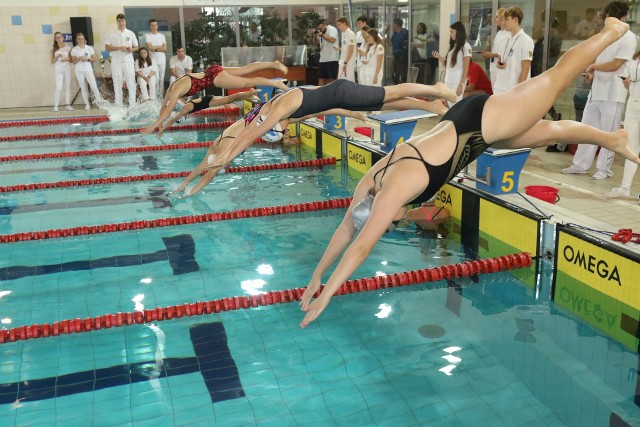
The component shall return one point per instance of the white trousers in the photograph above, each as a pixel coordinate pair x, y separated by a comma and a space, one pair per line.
160, 60
606, 116
63, 78
124, 71
632, 125
152, 89
351, 72
88, 76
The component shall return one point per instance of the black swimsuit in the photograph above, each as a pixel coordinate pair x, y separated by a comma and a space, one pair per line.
340, 94
466, 116
203, 104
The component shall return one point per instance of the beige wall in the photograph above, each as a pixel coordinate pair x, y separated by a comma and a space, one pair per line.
27, 74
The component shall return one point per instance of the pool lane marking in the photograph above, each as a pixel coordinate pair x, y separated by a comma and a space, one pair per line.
212, 359
105, 151
149, 177
105, 132
179, 250
157, 196
69, 326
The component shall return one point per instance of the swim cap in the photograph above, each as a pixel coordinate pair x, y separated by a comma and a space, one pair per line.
272, 136
361, 212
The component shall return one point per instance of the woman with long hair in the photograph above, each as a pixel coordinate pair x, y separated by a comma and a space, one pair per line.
456, 62
83, 56
147, 75
61, 58
414, 171
374, 59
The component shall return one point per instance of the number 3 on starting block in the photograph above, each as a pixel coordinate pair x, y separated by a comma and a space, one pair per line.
334, 122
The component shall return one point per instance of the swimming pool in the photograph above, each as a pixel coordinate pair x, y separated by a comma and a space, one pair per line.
467, 352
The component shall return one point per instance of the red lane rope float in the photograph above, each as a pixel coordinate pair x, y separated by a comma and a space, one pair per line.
167, 175
122, 150
106, 321
46, 122
105, 132
626, 235
226, 109
180, 220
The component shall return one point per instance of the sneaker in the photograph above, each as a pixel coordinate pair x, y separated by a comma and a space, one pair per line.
573, 169
70, 108
602, 175
617, 192
87, 107
55, 109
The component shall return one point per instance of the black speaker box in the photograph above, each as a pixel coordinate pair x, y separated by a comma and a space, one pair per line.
82, 25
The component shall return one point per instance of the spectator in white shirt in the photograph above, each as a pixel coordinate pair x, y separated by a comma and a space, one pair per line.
457, 60
147, 73
122, 43
62, 62
157, 45
84, 56
514, 63
347, 63
180, 64
587, 26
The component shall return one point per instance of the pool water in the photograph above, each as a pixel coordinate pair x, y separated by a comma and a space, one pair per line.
483, 351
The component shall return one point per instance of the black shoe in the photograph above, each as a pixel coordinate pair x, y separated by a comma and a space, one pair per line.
552, 149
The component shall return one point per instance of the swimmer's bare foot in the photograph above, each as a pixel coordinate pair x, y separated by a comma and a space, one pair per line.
445, 92
280, 66
359, 115
619, 145
616, 25
436, 107
282, 84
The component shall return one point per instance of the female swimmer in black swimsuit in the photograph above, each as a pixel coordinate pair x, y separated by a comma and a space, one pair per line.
508, 120
205, 102
225, 78
341, 94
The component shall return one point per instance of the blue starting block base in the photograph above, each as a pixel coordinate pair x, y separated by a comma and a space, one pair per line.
396, 127
500, 170
265, 93
334, 122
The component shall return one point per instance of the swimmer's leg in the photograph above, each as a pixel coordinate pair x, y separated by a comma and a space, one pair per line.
228, 81
416, 104
439, 90
256, 66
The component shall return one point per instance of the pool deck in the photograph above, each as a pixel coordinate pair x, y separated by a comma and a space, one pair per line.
581, 197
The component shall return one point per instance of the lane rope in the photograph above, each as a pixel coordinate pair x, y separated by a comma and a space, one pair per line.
227, 109
167, 175
180, 220
107, 132
198, 308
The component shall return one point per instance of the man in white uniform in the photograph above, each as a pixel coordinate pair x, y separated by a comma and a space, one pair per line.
83, 56
497, 46
514, 63
347, 63
157, 45
122, 43
179, 64
360, 22
605, 104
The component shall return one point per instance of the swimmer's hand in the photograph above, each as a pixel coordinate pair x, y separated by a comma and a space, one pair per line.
147, 130
309, 292
315, 309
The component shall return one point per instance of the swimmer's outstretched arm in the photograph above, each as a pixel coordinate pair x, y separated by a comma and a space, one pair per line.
198, 170
358, 115
188, 108
383, 211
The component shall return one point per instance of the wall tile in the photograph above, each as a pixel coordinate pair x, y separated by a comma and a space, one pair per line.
16, 20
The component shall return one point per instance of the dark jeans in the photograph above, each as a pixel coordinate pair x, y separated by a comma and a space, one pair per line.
400, 68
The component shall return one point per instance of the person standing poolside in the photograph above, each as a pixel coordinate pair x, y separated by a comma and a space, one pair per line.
83, 56
122, 43
414, 171
156, 43
60, 57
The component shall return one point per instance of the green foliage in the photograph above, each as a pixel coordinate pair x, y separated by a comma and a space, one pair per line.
274, 29
205, 38
305, 23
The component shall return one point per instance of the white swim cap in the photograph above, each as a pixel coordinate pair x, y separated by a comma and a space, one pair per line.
361, 212
274, 135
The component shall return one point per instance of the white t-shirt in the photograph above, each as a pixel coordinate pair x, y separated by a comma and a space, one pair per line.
327, 51
348, 39
157, 39
607, 86
517, 48
359, 45
61, 54
119, 38
372, 62
147, 69
84, 52
584, 28
421, 39
498, 47
181, 67
453, 74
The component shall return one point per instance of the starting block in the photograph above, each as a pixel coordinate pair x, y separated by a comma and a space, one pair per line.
265, 93
498, 171
396, 127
